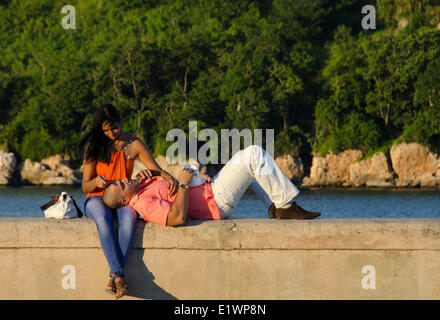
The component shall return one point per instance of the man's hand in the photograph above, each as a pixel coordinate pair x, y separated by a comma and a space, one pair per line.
186, 176
173, 184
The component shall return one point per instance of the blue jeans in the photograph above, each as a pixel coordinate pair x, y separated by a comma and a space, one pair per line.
115, 250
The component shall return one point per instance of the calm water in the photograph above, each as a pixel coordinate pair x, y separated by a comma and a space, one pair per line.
26, 202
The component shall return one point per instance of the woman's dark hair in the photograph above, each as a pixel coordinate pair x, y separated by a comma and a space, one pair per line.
95, 145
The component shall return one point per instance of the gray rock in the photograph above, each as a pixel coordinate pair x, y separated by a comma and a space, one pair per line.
374, 172
334, 169
50, 171
7, 168
415, 165
292, 166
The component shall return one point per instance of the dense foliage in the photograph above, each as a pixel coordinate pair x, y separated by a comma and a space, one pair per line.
305, 68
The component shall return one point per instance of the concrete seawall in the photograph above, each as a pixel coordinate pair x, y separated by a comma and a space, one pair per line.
229, 259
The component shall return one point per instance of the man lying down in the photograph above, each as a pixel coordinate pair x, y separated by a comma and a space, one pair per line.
212, 199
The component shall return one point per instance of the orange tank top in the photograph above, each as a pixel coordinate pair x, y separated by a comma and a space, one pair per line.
119, 168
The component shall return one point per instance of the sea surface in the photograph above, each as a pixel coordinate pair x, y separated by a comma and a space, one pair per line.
25, 202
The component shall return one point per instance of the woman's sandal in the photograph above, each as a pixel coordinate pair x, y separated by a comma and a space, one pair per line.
111, 288
121, 288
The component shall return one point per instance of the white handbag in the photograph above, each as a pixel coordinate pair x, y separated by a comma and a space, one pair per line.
64, 208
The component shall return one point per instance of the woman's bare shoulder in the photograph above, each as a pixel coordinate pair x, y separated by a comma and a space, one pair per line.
89, 163
128, 140
139, 146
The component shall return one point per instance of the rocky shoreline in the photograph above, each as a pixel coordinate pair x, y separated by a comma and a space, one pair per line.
408, 165
55, 170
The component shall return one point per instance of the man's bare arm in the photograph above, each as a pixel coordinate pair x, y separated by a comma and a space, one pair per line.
177, 214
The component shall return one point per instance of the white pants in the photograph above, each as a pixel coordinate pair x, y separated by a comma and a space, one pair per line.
252, 167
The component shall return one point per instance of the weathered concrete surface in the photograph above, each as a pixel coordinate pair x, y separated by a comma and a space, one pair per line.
229, 259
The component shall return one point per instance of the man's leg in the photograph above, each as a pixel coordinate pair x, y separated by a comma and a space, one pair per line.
253, 167
260, 193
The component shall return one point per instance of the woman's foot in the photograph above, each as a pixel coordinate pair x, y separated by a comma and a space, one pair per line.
111, 288
121, 287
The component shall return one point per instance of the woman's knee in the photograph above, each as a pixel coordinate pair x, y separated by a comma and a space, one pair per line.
127, 217
98, 212
95, 206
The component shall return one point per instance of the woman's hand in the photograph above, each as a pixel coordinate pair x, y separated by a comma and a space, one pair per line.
173, 184
141, 150
101, 182
144, 175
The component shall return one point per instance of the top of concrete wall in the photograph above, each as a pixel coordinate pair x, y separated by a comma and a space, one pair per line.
321, 234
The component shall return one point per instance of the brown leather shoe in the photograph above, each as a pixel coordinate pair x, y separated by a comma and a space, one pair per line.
295, 212
271, 211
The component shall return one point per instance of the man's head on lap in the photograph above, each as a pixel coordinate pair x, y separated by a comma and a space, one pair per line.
119, 192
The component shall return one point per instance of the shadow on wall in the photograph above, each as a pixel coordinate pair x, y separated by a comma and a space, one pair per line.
140, 279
